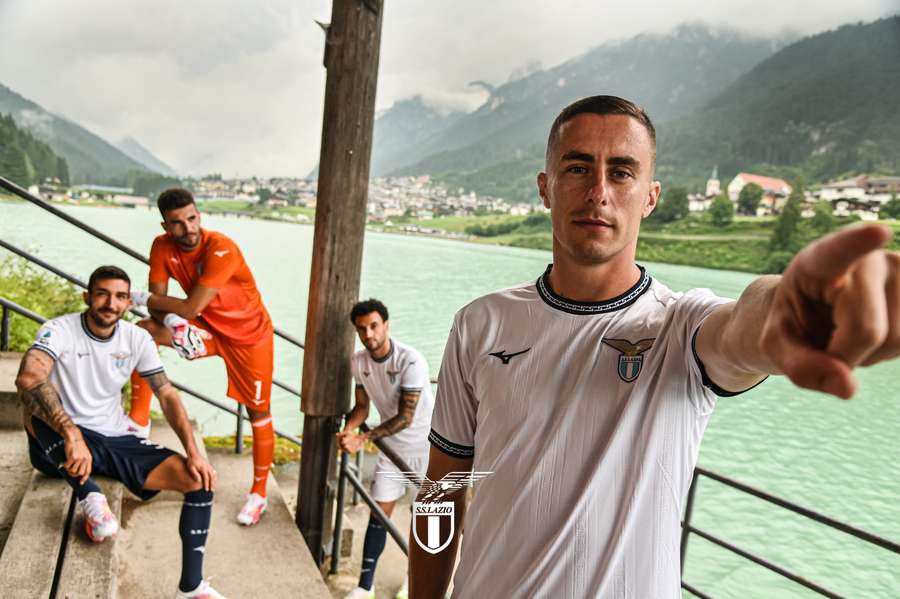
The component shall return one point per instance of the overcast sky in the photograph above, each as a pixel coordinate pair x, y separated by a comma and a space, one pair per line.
237, 86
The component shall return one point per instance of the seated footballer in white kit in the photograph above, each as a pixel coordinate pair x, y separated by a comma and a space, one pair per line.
395, 377
70, 383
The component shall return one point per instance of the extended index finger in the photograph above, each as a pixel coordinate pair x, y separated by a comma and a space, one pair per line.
834, 254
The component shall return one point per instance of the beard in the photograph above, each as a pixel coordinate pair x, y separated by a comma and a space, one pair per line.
104, 317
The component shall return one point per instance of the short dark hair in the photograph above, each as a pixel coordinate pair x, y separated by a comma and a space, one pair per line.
367, 307
104, 273
176, 197
601, 105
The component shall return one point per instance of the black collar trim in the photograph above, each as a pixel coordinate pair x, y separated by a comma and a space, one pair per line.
559, 302
387, 356
87, 330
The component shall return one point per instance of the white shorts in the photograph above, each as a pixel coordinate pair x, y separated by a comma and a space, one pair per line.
384, 489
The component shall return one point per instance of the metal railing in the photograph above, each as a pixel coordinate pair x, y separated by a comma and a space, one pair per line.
40, 203
10, 306
688, 529
353, 474
22, 193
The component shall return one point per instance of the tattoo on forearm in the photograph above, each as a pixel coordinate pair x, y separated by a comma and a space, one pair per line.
158, 381
43, 401
399, 422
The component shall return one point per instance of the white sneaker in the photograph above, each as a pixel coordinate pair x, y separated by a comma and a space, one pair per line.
403, 593
137, 430
203, 591
360, 593
252, 510
99, 521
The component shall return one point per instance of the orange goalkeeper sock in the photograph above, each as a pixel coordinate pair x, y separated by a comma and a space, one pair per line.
263, 452
141, 394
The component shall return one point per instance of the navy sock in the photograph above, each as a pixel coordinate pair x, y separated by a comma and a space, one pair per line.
47, 452
193, 526
376, 539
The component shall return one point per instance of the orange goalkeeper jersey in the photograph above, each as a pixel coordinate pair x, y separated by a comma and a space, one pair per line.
236, 312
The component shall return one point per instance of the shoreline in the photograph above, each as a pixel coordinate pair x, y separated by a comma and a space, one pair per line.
743, 247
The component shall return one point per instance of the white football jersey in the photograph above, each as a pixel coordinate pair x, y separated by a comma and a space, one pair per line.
89, 371
590, 417
403, 369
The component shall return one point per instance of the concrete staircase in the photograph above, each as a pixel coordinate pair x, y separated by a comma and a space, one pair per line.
44, 552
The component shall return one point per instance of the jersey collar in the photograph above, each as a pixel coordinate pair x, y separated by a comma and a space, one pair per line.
559, 302
386, 356
87, 330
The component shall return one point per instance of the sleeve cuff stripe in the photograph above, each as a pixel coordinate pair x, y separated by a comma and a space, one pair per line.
450, 448
410, 388
46, 350
708, 382
152, 372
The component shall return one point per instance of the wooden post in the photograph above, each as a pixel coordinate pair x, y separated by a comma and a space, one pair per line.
351, 58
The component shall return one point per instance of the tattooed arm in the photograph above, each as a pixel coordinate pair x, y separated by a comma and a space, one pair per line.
177, 418
404, 417
40, 398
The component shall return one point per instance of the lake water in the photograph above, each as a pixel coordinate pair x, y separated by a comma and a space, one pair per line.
839, 458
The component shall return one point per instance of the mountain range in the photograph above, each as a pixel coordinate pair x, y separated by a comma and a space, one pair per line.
815, 107
90, 158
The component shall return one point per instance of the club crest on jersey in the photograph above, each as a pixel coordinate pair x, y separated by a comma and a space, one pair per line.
392, 375
120, 358
631, 356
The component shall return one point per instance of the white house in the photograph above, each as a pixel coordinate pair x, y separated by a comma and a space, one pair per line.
775, 191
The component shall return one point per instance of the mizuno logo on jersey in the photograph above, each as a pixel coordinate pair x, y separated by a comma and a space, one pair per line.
505, 357
221, 253
631, 357
174, 259
366, 373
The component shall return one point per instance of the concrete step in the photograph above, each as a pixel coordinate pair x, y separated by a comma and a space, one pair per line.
15, 473
32, 549
89, 570
10, 408
269, 559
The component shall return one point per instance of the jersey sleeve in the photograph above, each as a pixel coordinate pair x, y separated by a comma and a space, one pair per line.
691, 310
354, 370
455, 407
221, 260
415, 376
53, 338
148, 361
159, 270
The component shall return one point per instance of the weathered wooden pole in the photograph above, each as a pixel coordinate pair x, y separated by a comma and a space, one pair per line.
351, 58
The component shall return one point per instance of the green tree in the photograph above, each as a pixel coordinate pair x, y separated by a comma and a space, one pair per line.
892, 208
785, 237
823, 220
673, 206
38, 291
749, 199
265, 194
721, 211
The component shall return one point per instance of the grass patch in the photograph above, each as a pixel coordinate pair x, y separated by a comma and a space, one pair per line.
285, 451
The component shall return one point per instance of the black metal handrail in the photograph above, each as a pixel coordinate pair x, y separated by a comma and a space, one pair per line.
22, 193
79, 283
688, 529
10, 306
349, 472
